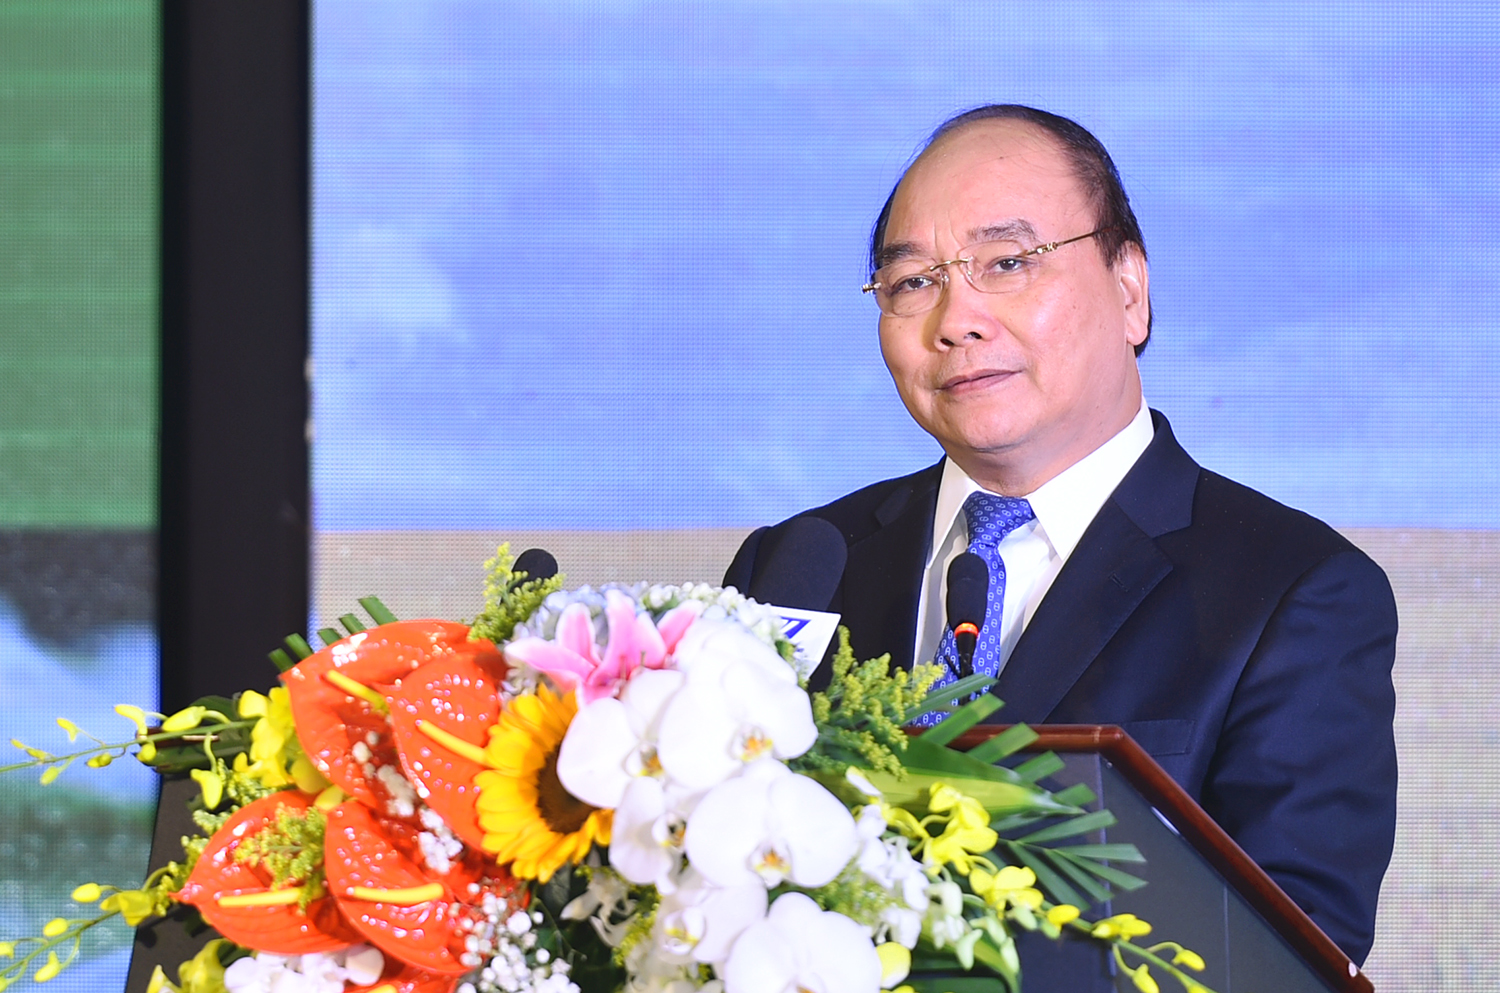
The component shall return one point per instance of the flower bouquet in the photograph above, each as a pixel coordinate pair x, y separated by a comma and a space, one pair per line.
597, 790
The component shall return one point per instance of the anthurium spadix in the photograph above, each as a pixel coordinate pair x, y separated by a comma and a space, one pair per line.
769, 825
799, 946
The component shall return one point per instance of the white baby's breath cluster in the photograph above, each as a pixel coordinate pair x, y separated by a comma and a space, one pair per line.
517, 964
315, 972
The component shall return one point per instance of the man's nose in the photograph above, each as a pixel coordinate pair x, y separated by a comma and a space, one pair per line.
963, 315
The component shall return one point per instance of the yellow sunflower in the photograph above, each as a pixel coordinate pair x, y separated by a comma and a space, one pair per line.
529, 820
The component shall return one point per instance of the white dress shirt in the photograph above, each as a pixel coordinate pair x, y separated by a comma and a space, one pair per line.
1033, 553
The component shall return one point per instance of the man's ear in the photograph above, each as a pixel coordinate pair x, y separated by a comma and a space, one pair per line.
1133, 278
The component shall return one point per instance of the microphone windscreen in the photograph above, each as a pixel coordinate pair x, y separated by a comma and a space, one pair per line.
799, 564
536, 563
968, 589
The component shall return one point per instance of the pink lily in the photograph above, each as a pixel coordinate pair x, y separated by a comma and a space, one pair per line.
573, 662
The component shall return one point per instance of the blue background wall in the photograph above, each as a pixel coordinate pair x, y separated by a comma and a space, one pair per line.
596, 265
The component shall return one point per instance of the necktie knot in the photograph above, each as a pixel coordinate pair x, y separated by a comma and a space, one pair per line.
991, 517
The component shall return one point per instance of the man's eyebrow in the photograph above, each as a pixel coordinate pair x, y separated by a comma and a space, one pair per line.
1015, 229
896, 251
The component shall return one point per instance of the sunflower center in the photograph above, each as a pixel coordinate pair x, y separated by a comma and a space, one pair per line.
563, 812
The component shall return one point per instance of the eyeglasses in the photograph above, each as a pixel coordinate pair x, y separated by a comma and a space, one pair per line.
914, 286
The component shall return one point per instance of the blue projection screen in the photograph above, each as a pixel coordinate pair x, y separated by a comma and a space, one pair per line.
587, 275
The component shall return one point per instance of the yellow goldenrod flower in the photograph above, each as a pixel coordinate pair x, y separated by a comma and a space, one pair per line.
895, 963
50, 970
87, 893
54, 927
69, 727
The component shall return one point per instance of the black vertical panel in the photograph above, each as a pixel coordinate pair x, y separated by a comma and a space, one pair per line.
234, 459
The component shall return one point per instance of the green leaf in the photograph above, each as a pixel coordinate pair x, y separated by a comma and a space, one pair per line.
351, 624
1123, 852
1003, 745
329, 635
281, 660
943, 696
911, 791
378, 611
1047, 878
961, 719
1116, 877
1079, 795
1079, 878
298, 646
1040, 767
1069, 828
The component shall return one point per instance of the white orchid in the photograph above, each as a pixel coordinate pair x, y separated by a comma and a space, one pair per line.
613, 741
801, 947
767, 825
888, 862
699, 921
650, 827
740, 703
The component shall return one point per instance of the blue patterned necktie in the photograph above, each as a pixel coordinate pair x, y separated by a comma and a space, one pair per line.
989, 518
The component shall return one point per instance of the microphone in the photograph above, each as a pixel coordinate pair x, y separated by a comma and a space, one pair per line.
799, 564
968, 589
536, 563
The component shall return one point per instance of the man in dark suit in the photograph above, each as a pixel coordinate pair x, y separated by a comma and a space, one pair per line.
1244, 644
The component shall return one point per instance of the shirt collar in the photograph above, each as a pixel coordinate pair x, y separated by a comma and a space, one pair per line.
1066, 503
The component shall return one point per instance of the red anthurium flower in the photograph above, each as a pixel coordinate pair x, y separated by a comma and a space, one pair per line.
398, 904
238, 900
338, 701
441, 715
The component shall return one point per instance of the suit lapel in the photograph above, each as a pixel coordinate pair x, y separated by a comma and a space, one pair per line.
883, 576
1114, 568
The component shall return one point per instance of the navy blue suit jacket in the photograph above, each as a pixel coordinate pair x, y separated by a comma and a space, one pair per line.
1245, 645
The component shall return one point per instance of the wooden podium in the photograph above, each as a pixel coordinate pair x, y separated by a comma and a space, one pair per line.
1203, 890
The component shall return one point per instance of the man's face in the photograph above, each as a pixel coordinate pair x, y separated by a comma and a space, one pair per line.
1015, 386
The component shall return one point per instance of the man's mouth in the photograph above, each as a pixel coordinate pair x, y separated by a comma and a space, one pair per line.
969, 382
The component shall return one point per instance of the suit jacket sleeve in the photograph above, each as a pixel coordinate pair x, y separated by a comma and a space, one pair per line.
1304, 772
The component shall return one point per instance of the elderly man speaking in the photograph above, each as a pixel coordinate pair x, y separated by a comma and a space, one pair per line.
1245, 645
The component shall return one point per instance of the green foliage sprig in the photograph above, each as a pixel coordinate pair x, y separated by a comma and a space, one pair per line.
861, 714
509, 597
291, 850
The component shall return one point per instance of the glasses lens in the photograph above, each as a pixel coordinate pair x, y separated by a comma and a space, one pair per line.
999, 266
907, 288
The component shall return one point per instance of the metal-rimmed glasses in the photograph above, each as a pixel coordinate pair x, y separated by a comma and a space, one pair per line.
914, 286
